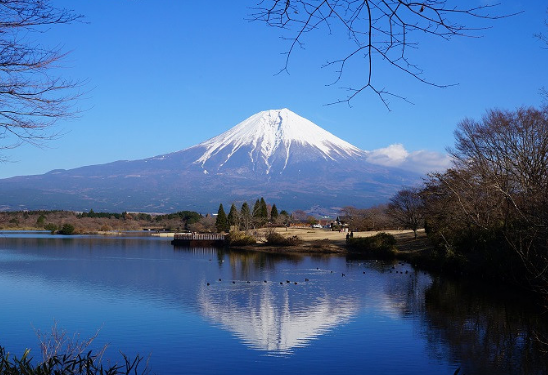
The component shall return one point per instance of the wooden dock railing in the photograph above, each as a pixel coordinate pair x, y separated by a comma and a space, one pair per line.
199, 236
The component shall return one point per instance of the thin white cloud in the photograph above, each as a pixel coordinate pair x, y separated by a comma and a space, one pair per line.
391, 156
421, 161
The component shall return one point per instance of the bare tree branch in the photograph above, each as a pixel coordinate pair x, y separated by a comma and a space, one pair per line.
381, 31
32, 97
542, 35
499, 185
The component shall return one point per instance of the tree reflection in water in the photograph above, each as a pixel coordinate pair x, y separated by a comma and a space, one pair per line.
479, 329
485, 332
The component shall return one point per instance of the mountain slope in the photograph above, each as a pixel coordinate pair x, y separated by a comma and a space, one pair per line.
275, 154
270, 140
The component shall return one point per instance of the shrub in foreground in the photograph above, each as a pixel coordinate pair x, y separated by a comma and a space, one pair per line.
88, 364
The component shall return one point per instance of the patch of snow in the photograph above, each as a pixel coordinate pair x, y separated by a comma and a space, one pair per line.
269, 131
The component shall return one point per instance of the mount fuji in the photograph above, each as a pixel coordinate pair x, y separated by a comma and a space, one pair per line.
274, 154
272, 141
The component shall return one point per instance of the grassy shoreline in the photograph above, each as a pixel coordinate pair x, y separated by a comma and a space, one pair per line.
418, 252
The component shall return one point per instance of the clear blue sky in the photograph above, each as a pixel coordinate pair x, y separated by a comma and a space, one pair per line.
165, 75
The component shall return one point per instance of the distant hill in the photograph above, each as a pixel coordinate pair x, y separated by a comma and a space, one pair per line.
274, 154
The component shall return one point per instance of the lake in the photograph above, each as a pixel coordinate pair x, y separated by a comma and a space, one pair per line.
209, 311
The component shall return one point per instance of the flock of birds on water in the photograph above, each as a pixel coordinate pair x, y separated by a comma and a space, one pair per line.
393, 269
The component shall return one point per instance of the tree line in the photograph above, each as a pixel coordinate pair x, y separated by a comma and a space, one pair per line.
68, 222
357, 219
246, 218
490, 209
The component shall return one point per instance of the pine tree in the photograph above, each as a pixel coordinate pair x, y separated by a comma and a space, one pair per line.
260, 212
221, 223
264, 210
245, 216
274, 214
233, 216
257, 209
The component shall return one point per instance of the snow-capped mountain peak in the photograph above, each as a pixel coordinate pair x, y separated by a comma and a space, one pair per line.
272, 137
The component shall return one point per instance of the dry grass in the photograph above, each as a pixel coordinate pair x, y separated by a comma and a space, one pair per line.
312, 234
314, 239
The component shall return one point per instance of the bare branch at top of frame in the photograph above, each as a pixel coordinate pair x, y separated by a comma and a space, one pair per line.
381, 31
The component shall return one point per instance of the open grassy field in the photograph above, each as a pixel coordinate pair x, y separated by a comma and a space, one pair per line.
314, 234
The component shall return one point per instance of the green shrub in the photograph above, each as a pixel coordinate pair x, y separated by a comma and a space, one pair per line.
41, 221
67, 229
380, 246
276, 239
51, 227
237, 238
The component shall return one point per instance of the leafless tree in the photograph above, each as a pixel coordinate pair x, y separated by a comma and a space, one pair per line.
492, 206
543, 37
406, 209
206, 224
509, 153
32, 97
299, 216
356, 218
365, 219
381, 32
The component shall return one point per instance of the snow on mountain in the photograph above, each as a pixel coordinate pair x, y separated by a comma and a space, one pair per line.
274, 154
271, 137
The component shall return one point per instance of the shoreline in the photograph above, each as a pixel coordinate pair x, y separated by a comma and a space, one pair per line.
323, 241
313, 240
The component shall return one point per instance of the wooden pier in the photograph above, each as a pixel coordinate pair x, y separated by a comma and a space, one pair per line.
198, 239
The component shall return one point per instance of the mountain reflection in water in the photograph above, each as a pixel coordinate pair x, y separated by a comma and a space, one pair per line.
266, 317
275, 316
152, 298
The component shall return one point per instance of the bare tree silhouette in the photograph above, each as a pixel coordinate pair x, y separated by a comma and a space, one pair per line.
382, 31
32, 96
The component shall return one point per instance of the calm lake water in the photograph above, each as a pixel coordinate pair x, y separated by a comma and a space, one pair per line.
258, 315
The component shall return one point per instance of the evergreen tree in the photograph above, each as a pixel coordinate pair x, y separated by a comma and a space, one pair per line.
263, 210
245, 216
221, 223
274, 214
260, 212
233, 216
257, 209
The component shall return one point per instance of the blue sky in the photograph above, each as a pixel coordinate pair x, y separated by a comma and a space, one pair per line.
165, 75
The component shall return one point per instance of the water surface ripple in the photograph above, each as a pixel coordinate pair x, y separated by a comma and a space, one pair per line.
209, 311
